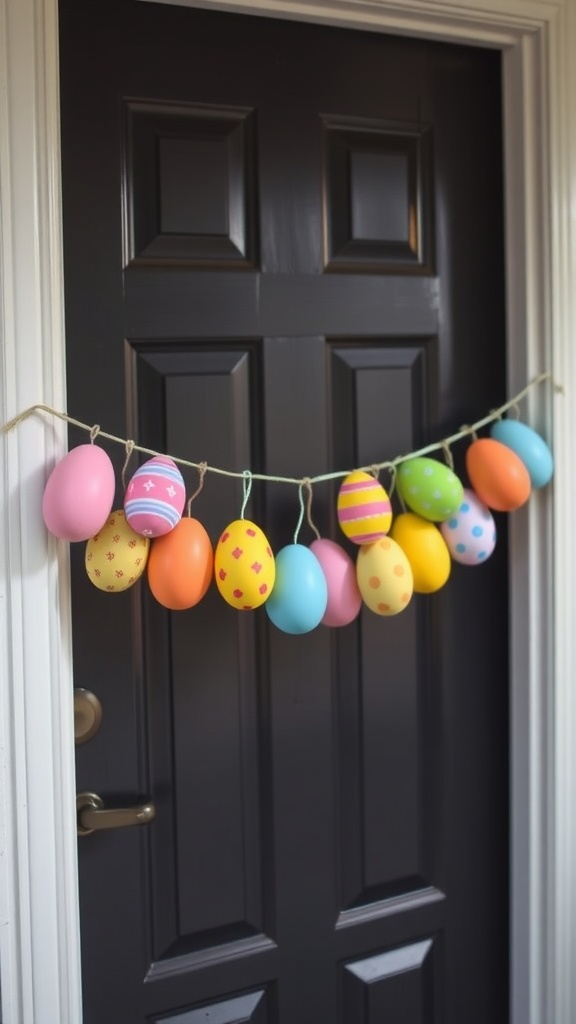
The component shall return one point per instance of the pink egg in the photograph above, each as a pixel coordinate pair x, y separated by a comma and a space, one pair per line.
155, 497
344, 598
79, 493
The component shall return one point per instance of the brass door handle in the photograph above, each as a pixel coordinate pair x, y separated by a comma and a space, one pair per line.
93, 816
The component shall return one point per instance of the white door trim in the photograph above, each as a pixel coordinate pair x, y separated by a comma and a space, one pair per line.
39, 938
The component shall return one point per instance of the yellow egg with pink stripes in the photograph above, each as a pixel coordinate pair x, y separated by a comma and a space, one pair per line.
364, 509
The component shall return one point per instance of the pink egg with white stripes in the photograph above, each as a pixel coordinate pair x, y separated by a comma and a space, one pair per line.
470, 534
155, 497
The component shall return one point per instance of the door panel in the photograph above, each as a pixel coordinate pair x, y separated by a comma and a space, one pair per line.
283, 253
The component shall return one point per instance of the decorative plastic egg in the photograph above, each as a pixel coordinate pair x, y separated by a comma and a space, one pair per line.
244, 566
300, 594
79, 493
497, 474
344, 598
529, 447
181, 565
425, 549
384, 577
471, 534
429, 488
363, 508
155, 497
116, 557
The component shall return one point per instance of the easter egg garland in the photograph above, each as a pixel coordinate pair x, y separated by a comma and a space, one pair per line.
440, 522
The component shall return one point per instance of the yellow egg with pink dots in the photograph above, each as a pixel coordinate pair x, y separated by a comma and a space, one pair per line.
385, 578
116, 556
244, 566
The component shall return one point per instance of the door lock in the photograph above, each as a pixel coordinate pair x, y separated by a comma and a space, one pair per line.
93, 816
87, 715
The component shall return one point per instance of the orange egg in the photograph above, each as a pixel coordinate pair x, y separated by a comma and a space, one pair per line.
497, 474
180, 565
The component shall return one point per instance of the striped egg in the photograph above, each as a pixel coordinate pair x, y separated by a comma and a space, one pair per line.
363, 507
155, 497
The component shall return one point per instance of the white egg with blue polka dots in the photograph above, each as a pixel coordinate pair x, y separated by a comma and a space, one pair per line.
470, 534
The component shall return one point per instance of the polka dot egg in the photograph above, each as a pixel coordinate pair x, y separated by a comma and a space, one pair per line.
429, 488
470, 534
384, 577
116, 556
244, 566
155, 497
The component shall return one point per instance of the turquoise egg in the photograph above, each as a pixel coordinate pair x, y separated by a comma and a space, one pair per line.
429, 488
528, 446
300, 594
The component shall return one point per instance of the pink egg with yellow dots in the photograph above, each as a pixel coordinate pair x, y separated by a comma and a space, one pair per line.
470, 534
244, 566
155, 497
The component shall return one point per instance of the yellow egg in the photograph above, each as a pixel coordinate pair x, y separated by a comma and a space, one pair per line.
116, 556
363, 508
425, 549
384, 577
244, 566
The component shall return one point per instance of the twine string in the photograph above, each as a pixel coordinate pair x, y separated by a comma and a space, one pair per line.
308, 485
248, 477
202, 467
129, 449
448, 455
391, 467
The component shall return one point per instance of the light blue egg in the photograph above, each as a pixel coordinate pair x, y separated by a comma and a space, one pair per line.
528, 446
300, 594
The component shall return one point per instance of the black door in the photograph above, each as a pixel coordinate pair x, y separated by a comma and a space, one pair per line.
284, 253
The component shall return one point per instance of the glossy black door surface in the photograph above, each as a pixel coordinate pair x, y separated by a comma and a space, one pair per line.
284, 253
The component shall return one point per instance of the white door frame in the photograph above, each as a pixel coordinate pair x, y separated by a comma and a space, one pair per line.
39, 936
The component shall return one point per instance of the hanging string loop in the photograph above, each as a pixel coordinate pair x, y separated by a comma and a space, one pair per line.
247, 479
202, 468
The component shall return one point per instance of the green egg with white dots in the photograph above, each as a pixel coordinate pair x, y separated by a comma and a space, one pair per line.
429, 488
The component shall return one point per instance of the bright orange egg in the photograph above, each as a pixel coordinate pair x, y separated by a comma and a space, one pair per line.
180, 565
497, 474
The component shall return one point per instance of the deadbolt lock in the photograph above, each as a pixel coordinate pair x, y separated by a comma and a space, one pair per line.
87, 715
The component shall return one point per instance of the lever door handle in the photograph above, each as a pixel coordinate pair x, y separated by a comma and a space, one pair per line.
93, 816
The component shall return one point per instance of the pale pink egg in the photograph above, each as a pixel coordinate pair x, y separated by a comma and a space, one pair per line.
79, 493
344, 598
